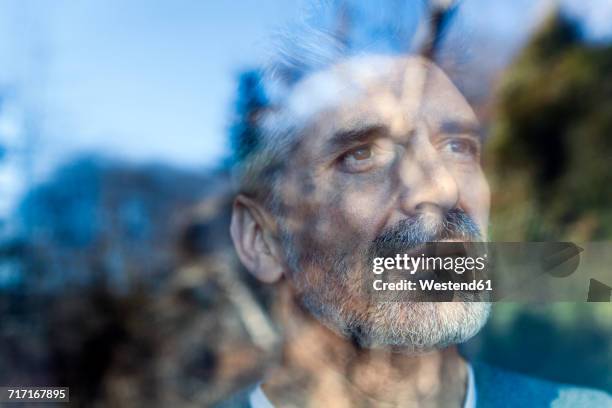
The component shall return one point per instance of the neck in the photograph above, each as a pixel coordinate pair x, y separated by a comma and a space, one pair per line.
320, 367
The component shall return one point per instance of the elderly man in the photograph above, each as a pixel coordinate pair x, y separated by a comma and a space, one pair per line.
366, 155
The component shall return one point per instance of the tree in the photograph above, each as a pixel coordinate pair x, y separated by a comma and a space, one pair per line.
550, 146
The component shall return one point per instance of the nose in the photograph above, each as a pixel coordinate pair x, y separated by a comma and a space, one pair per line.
428, 187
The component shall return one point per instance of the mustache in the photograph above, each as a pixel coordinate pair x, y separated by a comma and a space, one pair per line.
412, 232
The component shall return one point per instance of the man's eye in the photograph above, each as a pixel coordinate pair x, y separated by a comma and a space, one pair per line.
361, 153
462, 146
368, 156
358, 160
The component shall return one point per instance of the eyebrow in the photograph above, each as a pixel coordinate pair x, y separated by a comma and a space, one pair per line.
462, 127
344, 139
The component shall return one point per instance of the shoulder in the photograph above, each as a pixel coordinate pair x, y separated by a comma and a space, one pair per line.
501, 388
238, 400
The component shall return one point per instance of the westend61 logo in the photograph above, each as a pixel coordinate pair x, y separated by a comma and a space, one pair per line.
499, 271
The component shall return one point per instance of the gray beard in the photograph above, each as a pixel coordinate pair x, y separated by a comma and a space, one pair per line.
407, 326
404, 325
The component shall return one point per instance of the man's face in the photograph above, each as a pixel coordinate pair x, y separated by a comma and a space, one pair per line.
388, 148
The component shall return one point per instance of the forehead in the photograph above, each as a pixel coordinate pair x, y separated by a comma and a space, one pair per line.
377, 90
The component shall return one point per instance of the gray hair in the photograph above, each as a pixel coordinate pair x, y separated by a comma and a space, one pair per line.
297, 53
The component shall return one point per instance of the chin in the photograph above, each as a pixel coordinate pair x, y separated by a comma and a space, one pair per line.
417, 327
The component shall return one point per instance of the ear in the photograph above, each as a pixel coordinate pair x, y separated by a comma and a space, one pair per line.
253, 239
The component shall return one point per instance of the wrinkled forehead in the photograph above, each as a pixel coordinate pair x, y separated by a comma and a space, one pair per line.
377, 90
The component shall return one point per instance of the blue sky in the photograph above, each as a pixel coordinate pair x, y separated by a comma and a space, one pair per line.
154, 80
129, 78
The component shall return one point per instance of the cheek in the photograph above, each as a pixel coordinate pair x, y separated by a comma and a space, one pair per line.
361, 207
476, 197
358, 207
346, 211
